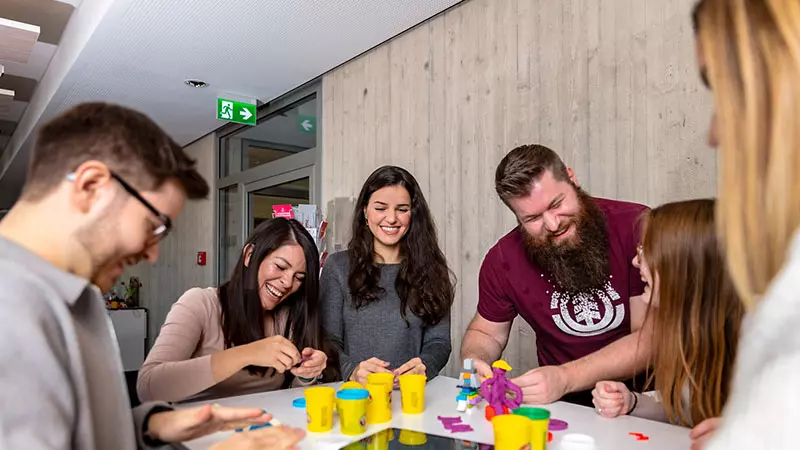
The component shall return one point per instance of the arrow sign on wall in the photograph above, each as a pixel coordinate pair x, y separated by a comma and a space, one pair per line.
307, 124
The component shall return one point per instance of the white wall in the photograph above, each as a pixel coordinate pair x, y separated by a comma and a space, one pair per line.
176, 269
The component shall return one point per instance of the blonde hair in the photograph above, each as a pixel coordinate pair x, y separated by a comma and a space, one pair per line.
696, 324
752, 54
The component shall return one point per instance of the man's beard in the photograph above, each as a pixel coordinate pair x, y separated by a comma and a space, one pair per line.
579, 265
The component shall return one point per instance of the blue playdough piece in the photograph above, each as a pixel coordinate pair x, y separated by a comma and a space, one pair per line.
255, 427
299, 402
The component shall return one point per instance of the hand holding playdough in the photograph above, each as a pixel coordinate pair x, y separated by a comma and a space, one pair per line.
414, 365
542, 385
191, 423
315, 362
274, 351
372, 365
273, 438
483, 370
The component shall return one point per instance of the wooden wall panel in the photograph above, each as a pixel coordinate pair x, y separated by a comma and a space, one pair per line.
609, 85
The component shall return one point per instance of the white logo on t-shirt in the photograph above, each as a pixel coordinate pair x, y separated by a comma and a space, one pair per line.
584, 319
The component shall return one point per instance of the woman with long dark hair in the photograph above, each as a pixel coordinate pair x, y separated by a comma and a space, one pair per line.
259, 331
387, 299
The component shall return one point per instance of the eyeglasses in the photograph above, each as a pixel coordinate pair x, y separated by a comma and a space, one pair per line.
161, 231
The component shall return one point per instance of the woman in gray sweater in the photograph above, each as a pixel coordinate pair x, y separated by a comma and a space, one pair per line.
386, 299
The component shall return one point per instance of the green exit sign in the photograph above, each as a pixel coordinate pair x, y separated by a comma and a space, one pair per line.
233, 111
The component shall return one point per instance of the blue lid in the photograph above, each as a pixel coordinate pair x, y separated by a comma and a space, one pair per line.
353, 394
299, 402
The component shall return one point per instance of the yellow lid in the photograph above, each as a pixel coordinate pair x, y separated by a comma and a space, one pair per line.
351, 385
500, 364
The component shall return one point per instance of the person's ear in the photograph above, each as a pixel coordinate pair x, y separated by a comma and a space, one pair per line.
248, 252
572, 177
86, 183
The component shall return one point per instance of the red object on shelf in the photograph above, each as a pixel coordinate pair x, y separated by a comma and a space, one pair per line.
201, 258
284, 211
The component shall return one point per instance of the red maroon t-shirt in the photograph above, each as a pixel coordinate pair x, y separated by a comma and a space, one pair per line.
567, 327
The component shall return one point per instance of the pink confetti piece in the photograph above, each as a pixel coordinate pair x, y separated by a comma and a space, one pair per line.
449, 419
558, 425
460, 428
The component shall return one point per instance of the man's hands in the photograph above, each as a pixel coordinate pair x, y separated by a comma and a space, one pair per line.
272, 438
542, 385
191, 423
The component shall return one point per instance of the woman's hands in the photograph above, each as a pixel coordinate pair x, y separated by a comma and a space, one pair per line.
611, 399
314, 362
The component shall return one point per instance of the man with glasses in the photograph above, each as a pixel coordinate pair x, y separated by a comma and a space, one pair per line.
103, 187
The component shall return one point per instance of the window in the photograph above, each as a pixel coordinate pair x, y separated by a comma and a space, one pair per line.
273, 162
284, 134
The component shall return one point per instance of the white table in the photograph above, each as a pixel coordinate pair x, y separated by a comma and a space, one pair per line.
440, 394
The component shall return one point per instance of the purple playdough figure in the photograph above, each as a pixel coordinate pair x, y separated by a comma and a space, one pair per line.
494, 391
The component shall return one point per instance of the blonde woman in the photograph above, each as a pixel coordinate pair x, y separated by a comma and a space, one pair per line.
749, 56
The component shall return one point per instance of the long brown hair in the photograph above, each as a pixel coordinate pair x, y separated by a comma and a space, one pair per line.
752, 54
242, 317
696, 326
425, 284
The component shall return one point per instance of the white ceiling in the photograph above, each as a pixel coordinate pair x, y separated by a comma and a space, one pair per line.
139, 52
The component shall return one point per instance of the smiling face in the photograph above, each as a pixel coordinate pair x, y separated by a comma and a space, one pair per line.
564, 232
549, 213
117, 229
280, 274
388, 214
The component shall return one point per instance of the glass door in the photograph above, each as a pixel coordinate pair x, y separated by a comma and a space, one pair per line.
291, 188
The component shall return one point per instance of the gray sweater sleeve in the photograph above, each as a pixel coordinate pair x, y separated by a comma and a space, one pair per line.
332, 292
436, 347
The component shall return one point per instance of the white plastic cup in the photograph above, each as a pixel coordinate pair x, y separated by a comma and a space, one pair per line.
575, 441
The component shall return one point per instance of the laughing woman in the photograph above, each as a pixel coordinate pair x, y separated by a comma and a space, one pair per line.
387, 299
257, 332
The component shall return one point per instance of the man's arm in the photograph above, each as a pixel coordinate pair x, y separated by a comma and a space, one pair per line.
484, 342
617, 361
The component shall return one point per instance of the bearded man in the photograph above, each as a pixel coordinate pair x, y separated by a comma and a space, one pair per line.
567, 269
